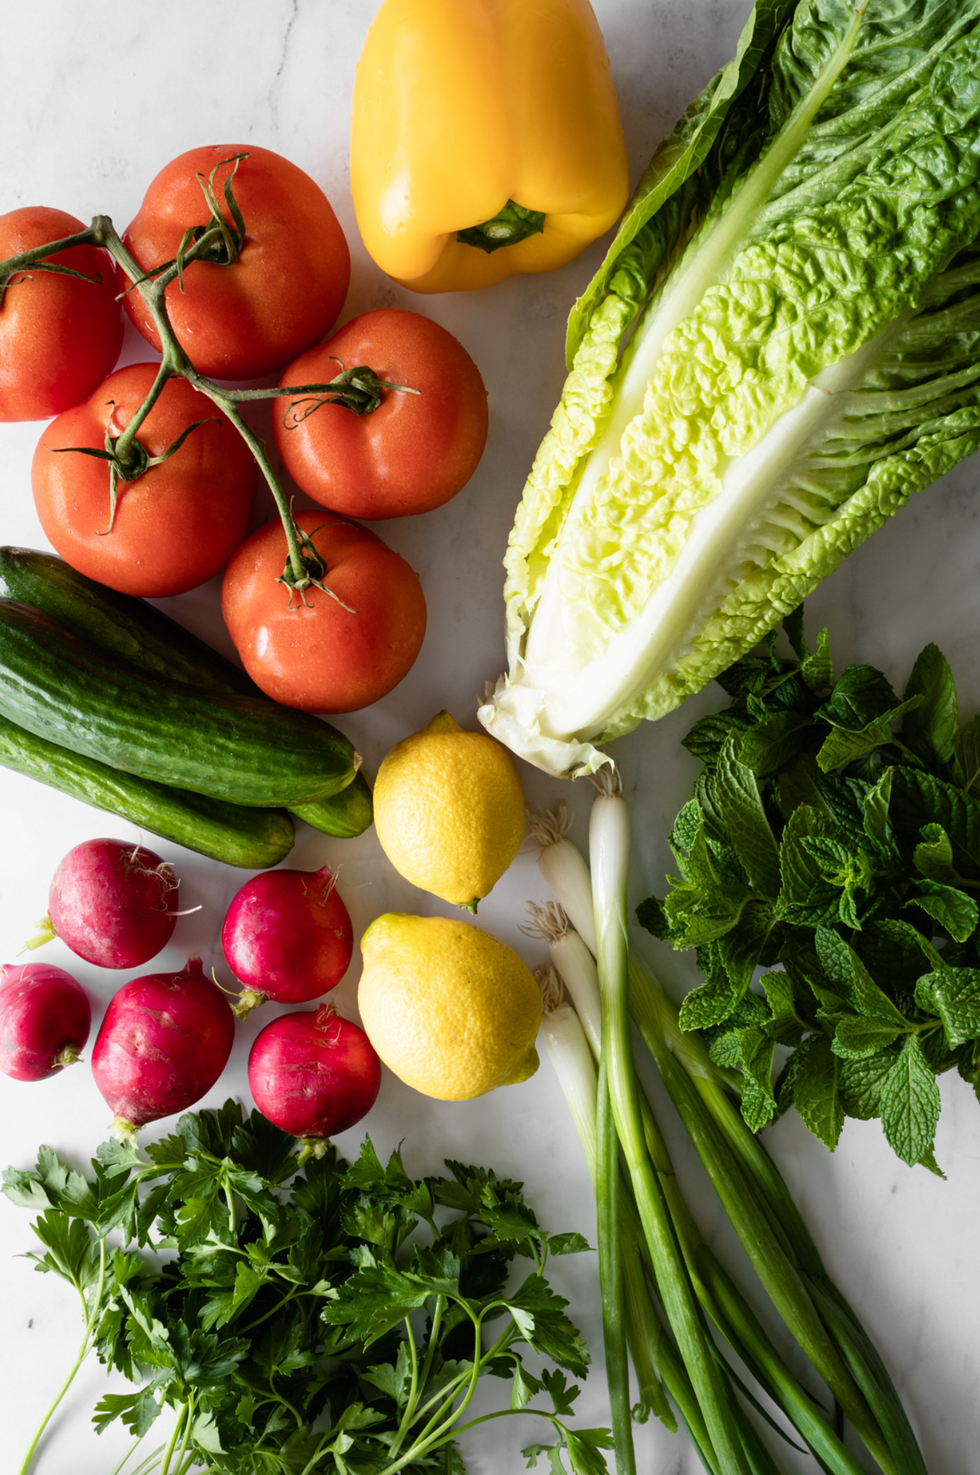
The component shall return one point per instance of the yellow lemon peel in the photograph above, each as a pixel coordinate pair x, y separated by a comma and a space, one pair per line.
452, 1011
449, 810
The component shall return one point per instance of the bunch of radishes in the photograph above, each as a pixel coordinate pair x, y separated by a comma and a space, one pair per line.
166, 1037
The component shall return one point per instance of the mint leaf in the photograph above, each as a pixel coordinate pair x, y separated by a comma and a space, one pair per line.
930, 729
817, 668
952, 909
709, 1003
954, 995
806, 898
774, 742
966, 756
816, 1089
910, 1104
919, 799
861, 1082
856, 1038
934, 856
737, 794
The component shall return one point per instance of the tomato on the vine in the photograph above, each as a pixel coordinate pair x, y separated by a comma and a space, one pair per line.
421, 444
287, 284
331, 649
59, 334
176, 524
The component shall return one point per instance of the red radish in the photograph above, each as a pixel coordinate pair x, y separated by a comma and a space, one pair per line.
313, 1073
45, 1018
287, 936
112, 903
164, 1041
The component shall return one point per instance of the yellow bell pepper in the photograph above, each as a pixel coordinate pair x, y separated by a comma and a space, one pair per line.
498, 115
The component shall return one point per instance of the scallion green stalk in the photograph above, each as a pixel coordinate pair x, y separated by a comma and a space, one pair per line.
609, 848
760, 1206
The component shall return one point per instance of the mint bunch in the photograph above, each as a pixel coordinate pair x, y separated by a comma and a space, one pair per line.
833, 840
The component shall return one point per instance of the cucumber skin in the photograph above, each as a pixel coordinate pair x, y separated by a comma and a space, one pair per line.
145, 637
251, 838
344, 815
57, 685
130, 628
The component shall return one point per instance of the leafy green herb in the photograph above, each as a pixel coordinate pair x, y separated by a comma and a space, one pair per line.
833, 841
333, 1320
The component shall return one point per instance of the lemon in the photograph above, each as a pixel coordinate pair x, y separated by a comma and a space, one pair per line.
449, 810
452, 1011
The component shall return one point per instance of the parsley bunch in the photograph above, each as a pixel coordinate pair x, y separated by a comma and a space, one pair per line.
333, 1320
833, 838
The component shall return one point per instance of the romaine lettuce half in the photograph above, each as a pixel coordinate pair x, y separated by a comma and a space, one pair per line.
782, 345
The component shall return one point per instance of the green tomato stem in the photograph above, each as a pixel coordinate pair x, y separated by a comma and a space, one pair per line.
176, 362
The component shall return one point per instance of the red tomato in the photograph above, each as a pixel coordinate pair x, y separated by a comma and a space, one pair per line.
318, 655
414, 451
59, 336
287, 285
178, 523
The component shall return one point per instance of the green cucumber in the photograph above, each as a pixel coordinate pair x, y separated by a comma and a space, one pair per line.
253, 838
143, 636
59, 686
130, 628
343, 815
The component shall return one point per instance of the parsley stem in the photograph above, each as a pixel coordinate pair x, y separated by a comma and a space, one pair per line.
91, 1315
182, 1417
408, 1415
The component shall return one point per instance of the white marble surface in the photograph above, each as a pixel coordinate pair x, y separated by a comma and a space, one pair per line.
96, 98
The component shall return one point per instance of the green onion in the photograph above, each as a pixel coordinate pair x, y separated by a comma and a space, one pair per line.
748, 1183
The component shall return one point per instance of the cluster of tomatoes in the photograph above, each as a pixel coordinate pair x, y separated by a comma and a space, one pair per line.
345, 639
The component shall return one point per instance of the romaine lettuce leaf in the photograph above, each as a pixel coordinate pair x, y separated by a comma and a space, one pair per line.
781, 347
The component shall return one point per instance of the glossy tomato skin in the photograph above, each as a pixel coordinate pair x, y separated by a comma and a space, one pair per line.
59, 336
283, 292
318, 655
415, 451
176, 525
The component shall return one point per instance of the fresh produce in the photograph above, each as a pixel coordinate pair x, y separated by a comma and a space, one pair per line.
449, 810
287, 936
451, 1010
652, 1216
485, 139
831, 838
45, 1018
271, 282
242, 1358
112, 902
345, 641
779, 349
60, 323
144, 636
345, 814
313, 1074
60, 687
415, 448
130, 628
159, 518
237, 834
164, 1040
